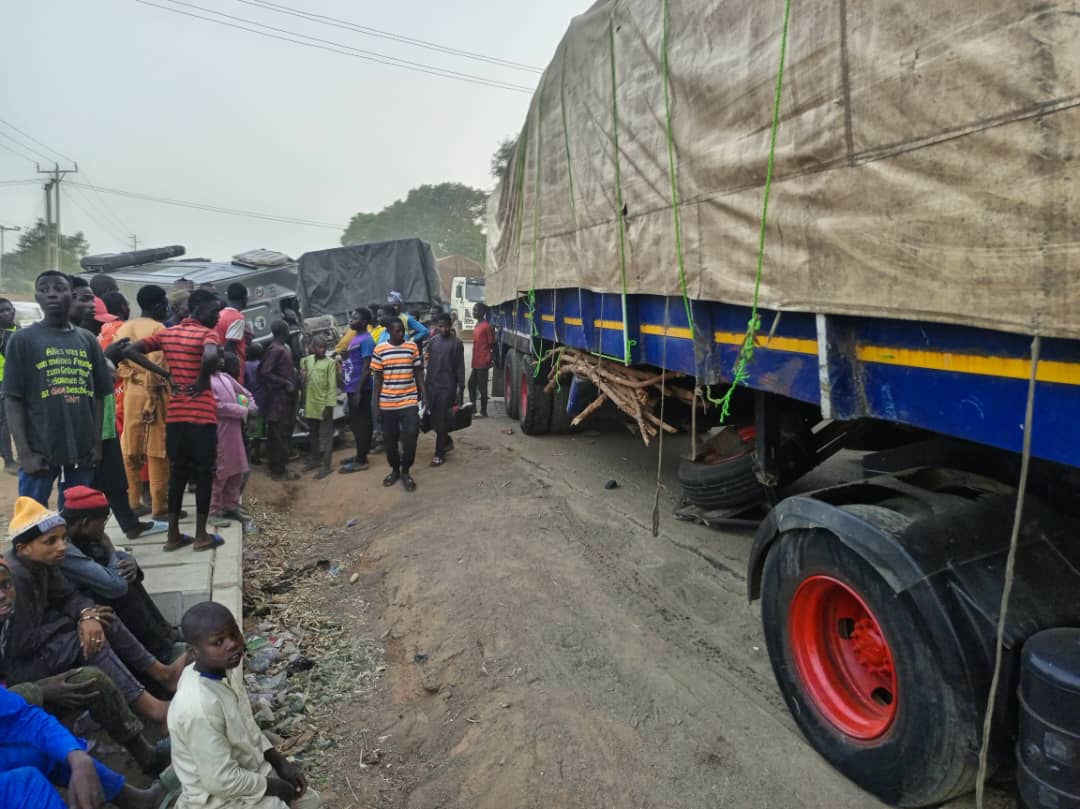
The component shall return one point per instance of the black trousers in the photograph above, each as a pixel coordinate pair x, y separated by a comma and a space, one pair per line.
360, 422
192, 450
278, 436
5, 435
478, 384
141, 615
400, 426
441, 402
110, 478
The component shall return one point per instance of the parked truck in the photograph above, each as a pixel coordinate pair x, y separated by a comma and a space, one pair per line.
918, 282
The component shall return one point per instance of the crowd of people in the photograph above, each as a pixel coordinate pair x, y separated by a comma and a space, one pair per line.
123, 416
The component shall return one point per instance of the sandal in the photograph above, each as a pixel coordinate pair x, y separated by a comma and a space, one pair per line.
216, 540
391, 479
185, 540
437, 460
353, 466
322, 473
410, 484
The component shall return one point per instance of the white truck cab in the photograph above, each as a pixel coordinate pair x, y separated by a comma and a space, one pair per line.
465, 293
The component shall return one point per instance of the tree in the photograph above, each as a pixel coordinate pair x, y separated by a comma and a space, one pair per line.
22, 265
500, 161
447, 216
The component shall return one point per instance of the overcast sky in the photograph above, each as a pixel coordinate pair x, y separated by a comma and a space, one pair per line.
164, 105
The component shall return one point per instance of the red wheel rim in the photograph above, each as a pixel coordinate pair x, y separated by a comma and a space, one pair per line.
524, 394
843, 657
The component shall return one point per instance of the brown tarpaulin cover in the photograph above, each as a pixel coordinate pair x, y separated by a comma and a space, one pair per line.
926, 163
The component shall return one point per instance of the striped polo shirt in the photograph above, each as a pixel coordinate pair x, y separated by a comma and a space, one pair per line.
183, 346
398, 365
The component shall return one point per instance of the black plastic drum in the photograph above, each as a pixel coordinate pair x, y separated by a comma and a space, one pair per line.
1048, 749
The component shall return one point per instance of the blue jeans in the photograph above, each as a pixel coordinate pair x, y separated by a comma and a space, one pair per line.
25, 768
40, 486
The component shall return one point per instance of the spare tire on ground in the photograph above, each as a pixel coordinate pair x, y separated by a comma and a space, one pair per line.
722, 481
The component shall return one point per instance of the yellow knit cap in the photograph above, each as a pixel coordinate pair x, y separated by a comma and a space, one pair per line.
30, 515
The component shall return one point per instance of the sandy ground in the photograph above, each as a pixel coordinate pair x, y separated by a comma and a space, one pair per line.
543, 649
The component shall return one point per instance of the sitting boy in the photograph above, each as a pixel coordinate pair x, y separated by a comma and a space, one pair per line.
219, 754
80, 689
56, 628
36, 752
109, 576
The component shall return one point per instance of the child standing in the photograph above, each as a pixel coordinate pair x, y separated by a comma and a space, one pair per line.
319, 375
234, 402
219, 754
256, 425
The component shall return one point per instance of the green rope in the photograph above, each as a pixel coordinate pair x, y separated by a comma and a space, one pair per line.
619, 204
566, 135
672, 172
536, 227
753, 325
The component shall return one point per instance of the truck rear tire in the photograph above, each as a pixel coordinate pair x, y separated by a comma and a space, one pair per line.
512, 382
560, 400
534, 412
860, 675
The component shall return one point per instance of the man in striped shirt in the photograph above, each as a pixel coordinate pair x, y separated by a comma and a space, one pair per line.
191, 348
399, 378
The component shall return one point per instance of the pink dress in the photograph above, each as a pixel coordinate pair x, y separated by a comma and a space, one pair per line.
231, 456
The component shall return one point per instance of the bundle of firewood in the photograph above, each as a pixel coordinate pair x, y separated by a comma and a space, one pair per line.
634, 391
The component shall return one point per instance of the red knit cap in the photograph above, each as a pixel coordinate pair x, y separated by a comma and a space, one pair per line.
83, 498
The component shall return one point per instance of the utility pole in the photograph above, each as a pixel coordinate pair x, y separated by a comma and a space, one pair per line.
134, 243
49, 241
53, 251
3, 230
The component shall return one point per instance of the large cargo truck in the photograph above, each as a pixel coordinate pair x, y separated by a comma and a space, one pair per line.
916, 299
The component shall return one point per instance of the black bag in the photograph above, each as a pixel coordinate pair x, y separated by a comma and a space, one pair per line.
462, 417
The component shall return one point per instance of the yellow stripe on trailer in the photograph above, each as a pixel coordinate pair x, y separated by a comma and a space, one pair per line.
611, 325
793, 345
1064, 373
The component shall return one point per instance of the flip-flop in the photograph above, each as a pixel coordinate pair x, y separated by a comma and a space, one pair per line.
185, 540
216, 541
437, 461
352, 466
159, 526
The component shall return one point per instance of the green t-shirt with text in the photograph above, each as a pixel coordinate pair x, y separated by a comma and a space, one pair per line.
58, 373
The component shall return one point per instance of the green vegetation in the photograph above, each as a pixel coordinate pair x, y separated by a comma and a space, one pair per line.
448, 216
22, 264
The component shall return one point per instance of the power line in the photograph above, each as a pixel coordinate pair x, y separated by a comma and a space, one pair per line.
94, 217
30, 149
336, 22
371, 55
18, 182
23, 155
38, 142
106, 209
342, 49
202, 206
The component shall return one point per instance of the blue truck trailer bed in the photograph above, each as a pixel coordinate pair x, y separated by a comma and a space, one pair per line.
959, 381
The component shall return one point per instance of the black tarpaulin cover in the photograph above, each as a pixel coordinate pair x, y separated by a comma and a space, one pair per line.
338, 280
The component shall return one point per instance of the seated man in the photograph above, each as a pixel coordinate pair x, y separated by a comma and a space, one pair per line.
36, 751
83, 689
109, 576
219, 754
56, 628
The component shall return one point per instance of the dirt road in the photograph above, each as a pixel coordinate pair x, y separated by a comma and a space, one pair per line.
542, 648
